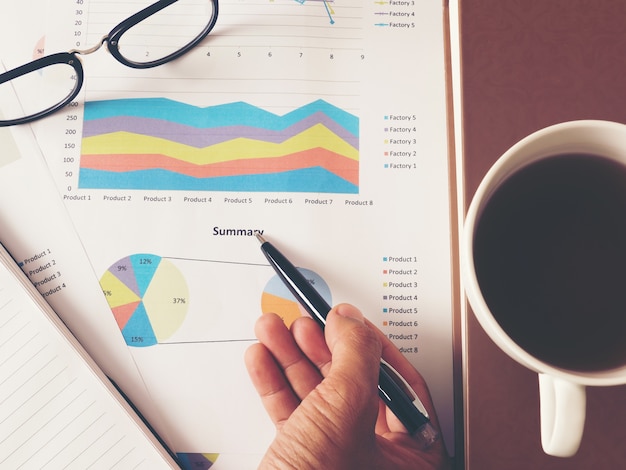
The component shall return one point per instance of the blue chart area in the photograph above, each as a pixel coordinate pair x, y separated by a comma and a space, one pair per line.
161, 144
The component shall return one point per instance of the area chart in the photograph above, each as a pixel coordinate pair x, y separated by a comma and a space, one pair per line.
160, 144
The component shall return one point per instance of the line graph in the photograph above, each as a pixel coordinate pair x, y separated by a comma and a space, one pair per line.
163, 144
329, 9
261, 23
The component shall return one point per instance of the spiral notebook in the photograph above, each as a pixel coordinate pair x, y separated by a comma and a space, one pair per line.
57, 408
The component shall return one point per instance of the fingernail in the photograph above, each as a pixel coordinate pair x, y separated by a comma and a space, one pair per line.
350, 311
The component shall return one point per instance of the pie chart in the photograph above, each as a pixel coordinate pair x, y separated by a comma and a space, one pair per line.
197, 461
276, 298
148, 296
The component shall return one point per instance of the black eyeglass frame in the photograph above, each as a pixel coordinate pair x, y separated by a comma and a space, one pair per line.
112, 40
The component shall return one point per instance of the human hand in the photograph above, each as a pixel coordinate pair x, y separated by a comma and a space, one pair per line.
320, 390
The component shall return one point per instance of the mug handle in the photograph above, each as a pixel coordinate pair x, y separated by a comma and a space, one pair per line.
562, 409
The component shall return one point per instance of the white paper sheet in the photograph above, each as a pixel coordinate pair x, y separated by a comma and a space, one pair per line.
370, 219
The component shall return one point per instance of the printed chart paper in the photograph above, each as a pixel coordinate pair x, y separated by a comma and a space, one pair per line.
321, 124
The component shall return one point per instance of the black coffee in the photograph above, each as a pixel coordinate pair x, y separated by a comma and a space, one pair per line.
550, 256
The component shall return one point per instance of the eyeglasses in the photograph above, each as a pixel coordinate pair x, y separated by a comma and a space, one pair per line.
158, 34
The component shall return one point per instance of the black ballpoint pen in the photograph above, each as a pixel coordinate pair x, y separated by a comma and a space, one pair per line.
392, 388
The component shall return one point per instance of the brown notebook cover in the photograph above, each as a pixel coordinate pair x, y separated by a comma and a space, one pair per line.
526, 65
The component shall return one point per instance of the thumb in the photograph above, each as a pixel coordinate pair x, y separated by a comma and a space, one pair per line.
356, 352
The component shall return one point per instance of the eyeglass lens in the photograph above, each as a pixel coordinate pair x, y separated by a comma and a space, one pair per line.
166, 31
158, 37
37, 91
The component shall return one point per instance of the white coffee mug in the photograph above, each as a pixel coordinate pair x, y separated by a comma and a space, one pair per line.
561, 388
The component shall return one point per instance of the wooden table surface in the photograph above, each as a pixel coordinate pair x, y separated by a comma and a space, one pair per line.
527, 64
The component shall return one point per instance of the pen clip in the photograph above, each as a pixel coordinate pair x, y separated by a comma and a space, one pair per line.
404, 386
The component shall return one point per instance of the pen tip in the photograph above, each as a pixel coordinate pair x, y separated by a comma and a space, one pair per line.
260, 237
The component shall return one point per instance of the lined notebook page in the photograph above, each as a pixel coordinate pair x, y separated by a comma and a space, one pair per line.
55, 409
